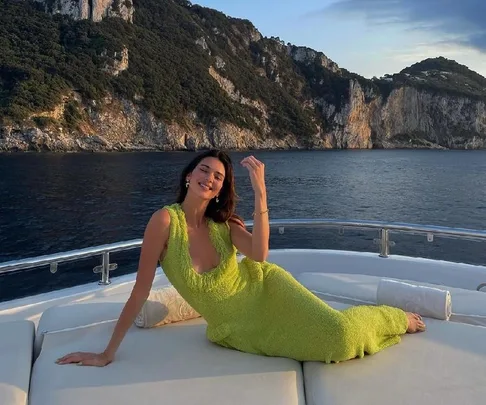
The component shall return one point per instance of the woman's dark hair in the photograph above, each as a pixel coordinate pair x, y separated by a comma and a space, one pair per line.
223, 210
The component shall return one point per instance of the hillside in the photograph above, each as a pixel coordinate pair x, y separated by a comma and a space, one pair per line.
169, 75
439, 75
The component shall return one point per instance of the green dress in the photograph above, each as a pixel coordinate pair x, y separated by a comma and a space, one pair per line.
258, 307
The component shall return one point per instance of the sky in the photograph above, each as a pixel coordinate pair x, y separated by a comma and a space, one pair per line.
372, 37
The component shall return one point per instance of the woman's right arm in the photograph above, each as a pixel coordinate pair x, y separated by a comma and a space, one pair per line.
153, 246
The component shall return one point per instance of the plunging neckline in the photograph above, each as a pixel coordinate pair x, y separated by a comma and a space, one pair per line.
212, 230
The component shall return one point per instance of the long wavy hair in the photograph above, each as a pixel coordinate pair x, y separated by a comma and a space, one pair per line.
221, 211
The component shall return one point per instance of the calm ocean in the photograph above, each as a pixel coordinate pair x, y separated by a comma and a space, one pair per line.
56, 202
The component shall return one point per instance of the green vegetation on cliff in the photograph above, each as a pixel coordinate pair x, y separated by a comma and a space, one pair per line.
171, 46
43, 56
438, 75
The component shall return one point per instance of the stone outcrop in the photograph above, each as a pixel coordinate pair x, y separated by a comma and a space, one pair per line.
94, 10
308, 55
409, 115
117, 63
120, 125
117, 124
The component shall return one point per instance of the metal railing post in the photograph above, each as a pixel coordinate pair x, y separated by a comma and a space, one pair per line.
384, 243
105, 269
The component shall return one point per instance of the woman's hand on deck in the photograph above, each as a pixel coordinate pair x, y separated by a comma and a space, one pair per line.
86, 359
257, 173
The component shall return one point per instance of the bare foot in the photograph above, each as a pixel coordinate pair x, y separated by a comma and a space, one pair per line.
415, 323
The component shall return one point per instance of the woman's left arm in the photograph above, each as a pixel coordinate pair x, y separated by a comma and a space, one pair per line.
255, 244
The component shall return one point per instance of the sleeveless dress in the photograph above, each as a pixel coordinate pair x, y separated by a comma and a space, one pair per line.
260, 308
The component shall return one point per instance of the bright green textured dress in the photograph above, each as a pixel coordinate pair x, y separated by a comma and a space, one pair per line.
258, 307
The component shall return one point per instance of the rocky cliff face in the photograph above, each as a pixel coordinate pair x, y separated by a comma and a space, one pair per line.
307, 55
120, 125
94, 10
413, 117
408, 118
231, 88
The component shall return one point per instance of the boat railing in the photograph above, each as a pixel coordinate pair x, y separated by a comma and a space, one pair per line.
383, 241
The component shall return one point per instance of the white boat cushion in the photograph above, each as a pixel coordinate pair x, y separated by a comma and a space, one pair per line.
467, 306
173, 364
88, 310
78, 314
16, 344
444, 365
164, 305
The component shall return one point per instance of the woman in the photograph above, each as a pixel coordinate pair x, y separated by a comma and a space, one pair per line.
252, 306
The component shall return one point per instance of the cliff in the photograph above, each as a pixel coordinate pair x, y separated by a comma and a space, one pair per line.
176, 76
94, 10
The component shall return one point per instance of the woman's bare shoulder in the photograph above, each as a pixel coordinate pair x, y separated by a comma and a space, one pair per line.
158, 226
161, 217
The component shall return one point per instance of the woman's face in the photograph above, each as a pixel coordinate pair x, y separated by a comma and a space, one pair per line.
206, 180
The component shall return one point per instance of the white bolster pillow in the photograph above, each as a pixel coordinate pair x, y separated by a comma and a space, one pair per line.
427, 301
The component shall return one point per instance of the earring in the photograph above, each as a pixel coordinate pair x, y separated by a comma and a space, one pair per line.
187, 183
217, 200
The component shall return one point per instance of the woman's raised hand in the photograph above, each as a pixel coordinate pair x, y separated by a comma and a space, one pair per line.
257, 173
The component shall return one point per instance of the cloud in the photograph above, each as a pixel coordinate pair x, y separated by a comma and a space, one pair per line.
460, 21
426, 50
